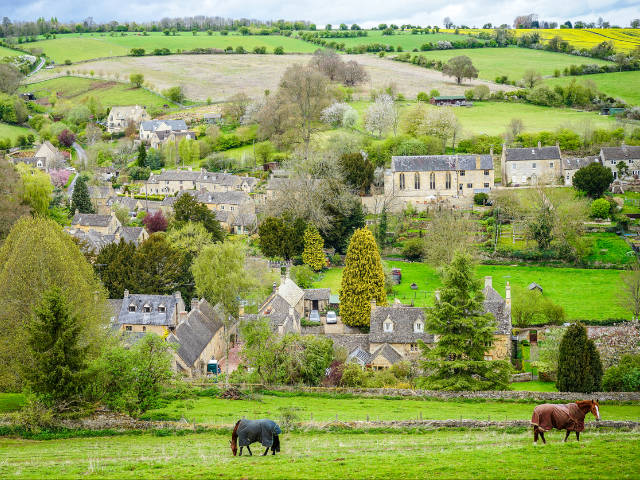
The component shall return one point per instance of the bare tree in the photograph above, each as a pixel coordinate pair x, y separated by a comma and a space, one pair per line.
382, 115
514, 128
10, 78
236, 107
448, 232
531, 78
328, 62
353, 73
631, 292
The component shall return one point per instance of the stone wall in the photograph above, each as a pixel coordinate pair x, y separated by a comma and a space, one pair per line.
521, 377
615, 340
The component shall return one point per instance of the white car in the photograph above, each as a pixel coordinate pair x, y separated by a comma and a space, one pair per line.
331, 317
314, 316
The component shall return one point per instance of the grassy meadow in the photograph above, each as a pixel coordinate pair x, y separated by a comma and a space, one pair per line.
434, 454
13, 131
80, 47
399, 39
512, 61
584, 293
623, 85
9, 52
110, 93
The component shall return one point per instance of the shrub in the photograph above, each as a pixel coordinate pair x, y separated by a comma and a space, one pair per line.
480, 198
624, 377
413, 249
579, 366
353, 376
600, 208
175, 94
278, 51
422, 97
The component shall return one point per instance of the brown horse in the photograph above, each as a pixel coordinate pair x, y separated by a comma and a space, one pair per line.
569, 417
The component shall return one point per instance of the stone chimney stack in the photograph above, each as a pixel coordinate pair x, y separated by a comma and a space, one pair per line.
507, 295
491, 151
488, 282
126, 294
539, 144
178, 295
195, 304
374, 304
292, 312
478, 162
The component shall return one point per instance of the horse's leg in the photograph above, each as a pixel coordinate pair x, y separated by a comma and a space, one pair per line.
535, 435
577, 435
241, 447
567, 436
273, 452
542, 436
265, 451
250, 452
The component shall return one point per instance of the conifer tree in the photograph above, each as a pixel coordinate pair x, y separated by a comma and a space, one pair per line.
80, 200
55, 374
362, 279
579, 366
457, 361
142, 156
313, 254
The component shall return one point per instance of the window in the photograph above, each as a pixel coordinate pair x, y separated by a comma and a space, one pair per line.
533, 165
414, 347
418, 326
488, 357
462, 173
461, 186
401, 181
144, 329
447, 181
432, 181
469, 185
146, 308
551, 164
388, 325
416, 181
162, 309
515, 166
132, 308
486, 185
128, 328
486, 172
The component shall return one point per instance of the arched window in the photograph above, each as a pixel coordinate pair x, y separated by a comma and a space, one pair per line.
401, 181
447, 183
416, 181
432, 181
418, 326
387, 325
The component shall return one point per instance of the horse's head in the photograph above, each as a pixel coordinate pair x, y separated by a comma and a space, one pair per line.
234, 439
595, 409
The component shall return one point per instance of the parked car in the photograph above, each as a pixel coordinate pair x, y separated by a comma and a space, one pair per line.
314, 316
331, 317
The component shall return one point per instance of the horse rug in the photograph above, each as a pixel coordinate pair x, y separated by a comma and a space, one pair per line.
250, 431
563, 417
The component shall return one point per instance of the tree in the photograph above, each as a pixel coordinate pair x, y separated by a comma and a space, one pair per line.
281, 237
456, 362
579, 366
531, 307
313, 254
594, 179
362, 280
221, 278
540, 227
12, 203
235, 108
600, 208
58, 359
624, 377
631, 292
449, 232
155, 222
36, 256
328, 62
142, 156
548, 351
353, 73
66, 138
80, 200
531, 78
10, 78
188, 209
115, 267
381, 115
460, 68
136, 79
441, 123
190, 237
36, 188
175, 94
358, 171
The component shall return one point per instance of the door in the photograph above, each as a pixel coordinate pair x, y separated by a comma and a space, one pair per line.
533, 337
314, 305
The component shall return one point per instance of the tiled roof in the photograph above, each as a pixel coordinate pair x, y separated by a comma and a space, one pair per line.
533, 153
232, 197
495, 304
572, 163
197, 330
403, 319
91, 220
388, 352
429, 163
174, 125
625, 152
317, 293
131, 234
360, 356
291, 292
184, 175
155, 317
100, 191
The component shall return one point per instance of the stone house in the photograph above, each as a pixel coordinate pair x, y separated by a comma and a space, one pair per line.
149, 127
100, 195
431, 179
53, 158
231, 201
500, 307
571, 165
212, 118
95, 231
121, 116
316, 299
170, 182
284, 307
104, 224
237, 222
630, 155
162, 138
225, 182
531, 166
199, 337
157, 314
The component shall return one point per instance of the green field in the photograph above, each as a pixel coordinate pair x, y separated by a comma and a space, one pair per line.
534, 386
78, 47
109, 93
512, 61
311, 455
9, 52
623, 85
584, 293
403, 39
12, 131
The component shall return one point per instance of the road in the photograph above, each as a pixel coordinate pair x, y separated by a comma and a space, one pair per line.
40, 65
82, 156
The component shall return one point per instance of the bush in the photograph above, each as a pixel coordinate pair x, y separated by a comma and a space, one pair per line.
600, 208
303, 276
422, 97
175, 94
278, 51
480, 198
336, 260
413, 249
353, 375
624, 377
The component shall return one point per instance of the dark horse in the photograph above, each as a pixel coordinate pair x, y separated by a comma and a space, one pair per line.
569, 417
247, 432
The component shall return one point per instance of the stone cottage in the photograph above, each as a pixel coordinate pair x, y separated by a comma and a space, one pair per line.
159, 314
531, 166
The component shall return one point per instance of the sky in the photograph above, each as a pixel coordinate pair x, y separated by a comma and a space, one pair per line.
366, 13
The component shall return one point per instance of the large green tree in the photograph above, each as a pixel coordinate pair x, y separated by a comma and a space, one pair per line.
281, 237
460, 67
358, 171
594, 179
116, 268
313, 254
579, 366
80, 200
362, 279
37, 188
56, 371
12, 204
456, 362
188, 209
36, 256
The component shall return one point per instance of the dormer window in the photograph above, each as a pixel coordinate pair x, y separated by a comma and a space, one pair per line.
132, 308
162, 309
418, 326
388, 326
146, 308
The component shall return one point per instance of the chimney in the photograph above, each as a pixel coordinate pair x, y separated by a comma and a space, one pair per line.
241, 311
437, 294
488, 282
178, 295
374, 304
504, 148
478, 162
291, 312
491, 151
195, 304
557, 144
507, 295
539, 144
182, 316
274, 287
126, 294
77, 211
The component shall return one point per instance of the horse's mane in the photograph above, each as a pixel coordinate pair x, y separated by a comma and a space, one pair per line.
234, 434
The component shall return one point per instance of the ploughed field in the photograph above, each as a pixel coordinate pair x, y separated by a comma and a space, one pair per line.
465, 454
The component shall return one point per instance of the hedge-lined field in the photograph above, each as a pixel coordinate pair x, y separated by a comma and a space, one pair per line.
313, 455
623, 85
403, 39
13, 131
9, 52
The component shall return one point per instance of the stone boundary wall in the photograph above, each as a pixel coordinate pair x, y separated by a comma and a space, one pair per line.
521, 377
473, 424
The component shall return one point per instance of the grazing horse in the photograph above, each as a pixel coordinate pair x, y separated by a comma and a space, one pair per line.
247, 432
569, 417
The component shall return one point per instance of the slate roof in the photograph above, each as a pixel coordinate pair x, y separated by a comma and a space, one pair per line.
291, 292
573, 163
360, 356
430, 163
175, 175
100, 191
139, 317
388, 352
91, 220
92, 240
220, 178
317, 293
197, 330
131, 234
533, 153
174, 125
626, 152
127, 202
403, 319
231, 197
495, 304
33, 161
115, 304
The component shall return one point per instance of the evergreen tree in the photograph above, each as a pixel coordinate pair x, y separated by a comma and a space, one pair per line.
80, 200
457, 361
58, 361
142, 156
382, 228
362, 279
282, 237
579, 366
188, 209
313, 255
115, 267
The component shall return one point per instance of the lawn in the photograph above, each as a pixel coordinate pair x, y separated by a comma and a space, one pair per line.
609, 248
13, 131
79, 47
512, 61
400, 39
9, 52
534, 386
623, 85
584, 293
109, 93
10, 402
310, 455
